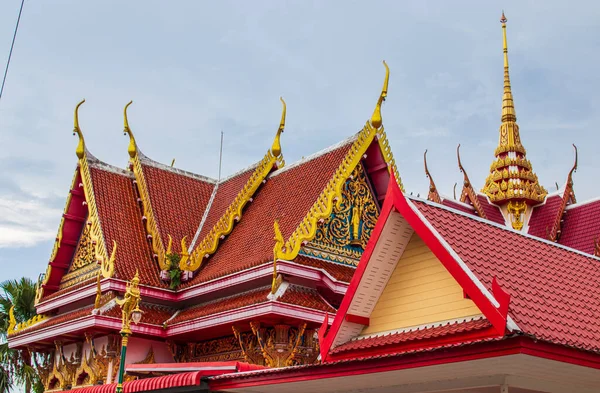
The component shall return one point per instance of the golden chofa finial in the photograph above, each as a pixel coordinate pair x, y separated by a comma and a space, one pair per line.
80, 150
276, 148
132, 149
376, 118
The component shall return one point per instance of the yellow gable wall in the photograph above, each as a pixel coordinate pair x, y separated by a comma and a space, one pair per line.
420, 291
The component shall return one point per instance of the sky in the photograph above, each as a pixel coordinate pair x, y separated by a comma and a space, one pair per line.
196, 68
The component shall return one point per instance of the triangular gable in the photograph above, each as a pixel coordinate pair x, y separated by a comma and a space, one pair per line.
398, 221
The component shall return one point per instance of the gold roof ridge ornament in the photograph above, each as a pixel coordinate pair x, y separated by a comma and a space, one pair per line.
376, 120
468, 192
80, 150
511, 178
276, 147
331, 194
132, 148
433, 194
207, 246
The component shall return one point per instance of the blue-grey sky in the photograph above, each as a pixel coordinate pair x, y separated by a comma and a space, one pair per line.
194, 68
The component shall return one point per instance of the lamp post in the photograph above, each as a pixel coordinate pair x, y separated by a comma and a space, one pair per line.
130, 312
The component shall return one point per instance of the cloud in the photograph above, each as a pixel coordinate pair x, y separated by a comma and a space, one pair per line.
25, 223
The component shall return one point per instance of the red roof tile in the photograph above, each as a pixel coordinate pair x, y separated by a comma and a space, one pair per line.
581, 226
492, 212
148, 384
226, 193
554, 291
337, 270
245, 299
305, 297
463, 207
178, 202
121, 221
57, 320
413, 335
543, 216
251, 241
152, 314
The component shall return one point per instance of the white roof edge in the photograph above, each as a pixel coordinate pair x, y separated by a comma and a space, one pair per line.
586, 202
491, 223
447, 198
509, 322
96, 163
148, 161
314, 155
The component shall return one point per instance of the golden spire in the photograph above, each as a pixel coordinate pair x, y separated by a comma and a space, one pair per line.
276, 147
376, 118
80, 150
508, 106
433, 195
132, 149
511, 180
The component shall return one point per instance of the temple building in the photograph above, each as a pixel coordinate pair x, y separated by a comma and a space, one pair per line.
320, 275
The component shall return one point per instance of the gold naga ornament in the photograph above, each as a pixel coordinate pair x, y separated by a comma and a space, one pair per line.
273, 159
331, 197
511, 181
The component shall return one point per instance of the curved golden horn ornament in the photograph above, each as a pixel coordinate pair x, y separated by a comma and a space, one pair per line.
376, 120
132, 148
80, 150
276, 147
574, 168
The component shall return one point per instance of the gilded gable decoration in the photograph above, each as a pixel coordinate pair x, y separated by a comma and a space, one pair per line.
433, 194
273, 159
343, 235
331, 195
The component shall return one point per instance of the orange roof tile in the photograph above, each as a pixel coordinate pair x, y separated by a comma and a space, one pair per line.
121, 221
178, 201
305, 297
251, 242
249, 298
337, 270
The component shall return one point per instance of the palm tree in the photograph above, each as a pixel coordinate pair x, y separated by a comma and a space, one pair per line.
17, 296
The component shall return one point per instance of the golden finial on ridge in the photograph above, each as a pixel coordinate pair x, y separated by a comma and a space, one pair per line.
433, 194
132, 149
80, 150
276, 147
376, 118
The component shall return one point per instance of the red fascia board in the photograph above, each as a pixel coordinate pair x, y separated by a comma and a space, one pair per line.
380, 364
358, 319
483, 350
329, 337
432, 343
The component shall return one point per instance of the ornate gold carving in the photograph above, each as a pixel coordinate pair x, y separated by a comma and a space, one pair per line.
511, 176
87, 373
12, 322
84, 265
516, 210
331, 195
279, 346
149, 359
129, 304
98, 291
233, 213
468, 193
376, 117
150, 220
348, 229
216, 350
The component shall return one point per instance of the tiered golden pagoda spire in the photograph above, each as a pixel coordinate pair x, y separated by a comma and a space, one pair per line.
511, 181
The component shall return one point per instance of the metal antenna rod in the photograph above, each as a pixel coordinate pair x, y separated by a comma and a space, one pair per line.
220, 155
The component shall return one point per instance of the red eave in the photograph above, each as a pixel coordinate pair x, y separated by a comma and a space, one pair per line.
149, 384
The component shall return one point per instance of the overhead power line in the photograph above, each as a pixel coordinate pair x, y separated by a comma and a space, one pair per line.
12, 45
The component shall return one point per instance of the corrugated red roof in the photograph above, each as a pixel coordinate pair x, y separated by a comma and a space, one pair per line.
305, 297
149, 384
413, 335
178, 202
225, 304
121, 221
581, 226
554, 291
492, 212
251, 241
463, 207
543, 216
